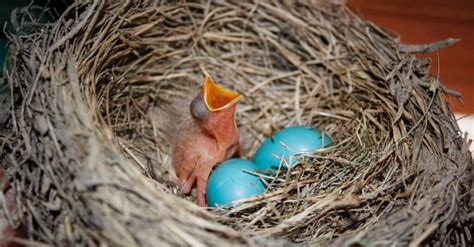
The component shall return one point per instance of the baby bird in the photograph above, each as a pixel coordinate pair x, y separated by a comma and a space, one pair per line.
206, 139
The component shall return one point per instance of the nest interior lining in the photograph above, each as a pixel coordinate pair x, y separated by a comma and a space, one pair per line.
90, 149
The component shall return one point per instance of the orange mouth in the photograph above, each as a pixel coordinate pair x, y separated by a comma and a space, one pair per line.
217, 97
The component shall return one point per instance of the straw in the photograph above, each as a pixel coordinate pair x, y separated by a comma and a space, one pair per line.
87, 144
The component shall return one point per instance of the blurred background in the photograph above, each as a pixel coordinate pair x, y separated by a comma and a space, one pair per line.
6, 8
425, 21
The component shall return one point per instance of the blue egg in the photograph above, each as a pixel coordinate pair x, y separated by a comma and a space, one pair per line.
287, 143
229, 182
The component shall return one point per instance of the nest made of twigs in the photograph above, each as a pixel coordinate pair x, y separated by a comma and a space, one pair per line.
88, 155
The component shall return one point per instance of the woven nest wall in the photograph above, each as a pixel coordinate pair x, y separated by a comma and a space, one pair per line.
87, 147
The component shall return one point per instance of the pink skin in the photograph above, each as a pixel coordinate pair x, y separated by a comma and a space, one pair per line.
6, 231
197, 152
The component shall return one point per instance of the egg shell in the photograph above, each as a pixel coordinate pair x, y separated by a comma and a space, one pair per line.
229, 182
286, 144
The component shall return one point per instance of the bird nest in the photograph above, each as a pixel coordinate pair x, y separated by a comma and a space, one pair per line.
88, 153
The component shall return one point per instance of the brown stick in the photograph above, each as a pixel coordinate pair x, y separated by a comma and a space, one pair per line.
428, 48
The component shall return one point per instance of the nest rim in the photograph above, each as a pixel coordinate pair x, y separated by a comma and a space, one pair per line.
412, 124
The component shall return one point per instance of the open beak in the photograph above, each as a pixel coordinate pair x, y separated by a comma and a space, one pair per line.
217, 97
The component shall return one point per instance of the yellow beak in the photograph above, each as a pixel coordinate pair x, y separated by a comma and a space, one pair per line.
217, 97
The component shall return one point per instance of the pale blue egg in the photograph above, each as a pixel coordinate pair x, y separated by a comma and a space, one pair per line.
287, 143
229, 182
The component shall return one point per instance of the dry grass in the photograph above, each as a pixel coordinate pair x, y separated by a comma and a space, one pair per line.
87, 147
